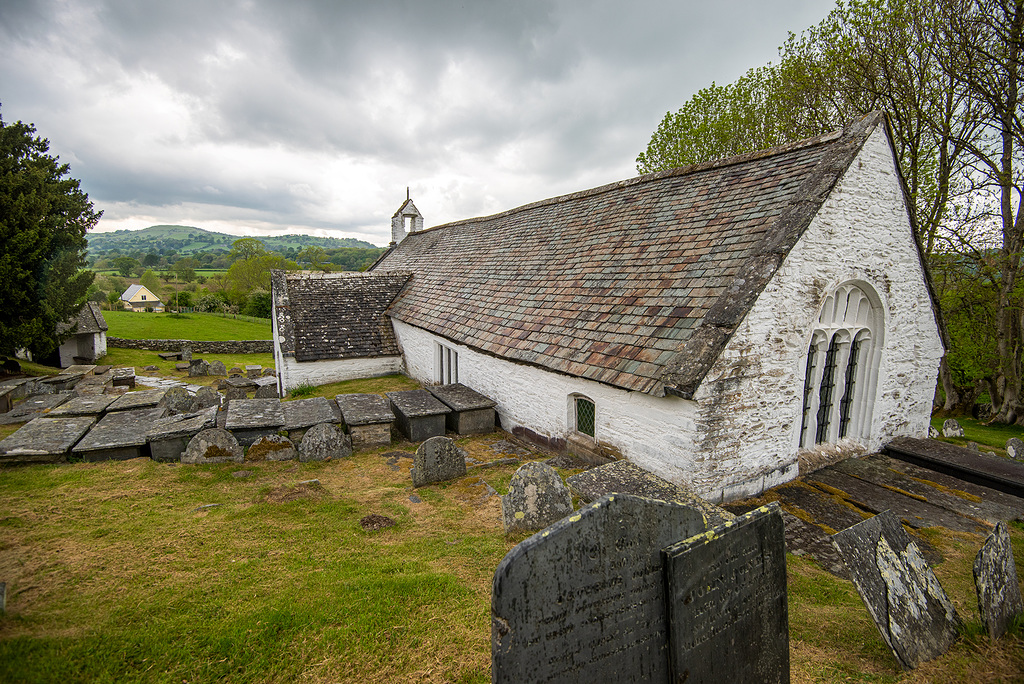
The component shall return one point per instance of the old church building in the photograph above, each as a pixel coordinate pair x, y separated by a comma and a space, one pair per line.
709, 323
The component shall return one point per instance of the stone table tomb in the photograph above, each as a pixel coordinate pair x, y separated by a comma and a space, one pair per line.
45, 440
94, 405
471, 412
33, 406
302, 414
129, 401
419, 414
369, 419
123, 377
168, 437
118, 436
250, 419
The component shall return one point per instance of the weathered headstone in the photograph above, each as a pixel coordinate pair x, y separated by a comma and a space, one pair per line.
186, 354
267, 392
123, 377
213, 445
584, 600
207, 397
727, 608
909, 607
933, 433
253, 372
235, 372
178, 400
268, 373
437, 460
118, 436
995, 579
324, 441
168, 437
951, 428
151, 367
181, 366
536, 498
1015, 449
235, 393
271, 448
217, 368
198, 368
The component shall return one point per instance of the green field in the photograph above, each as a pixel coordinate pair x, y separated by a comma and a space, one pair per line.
190, 326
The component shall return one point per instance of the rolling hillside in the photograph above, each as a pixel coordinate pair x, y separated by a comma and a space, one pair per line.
189, 240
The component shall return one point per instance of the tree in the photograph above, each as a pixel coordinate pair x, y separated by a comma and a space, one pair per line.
44, 216
186, 269
125, 265
251, 270
150, 281
316, 257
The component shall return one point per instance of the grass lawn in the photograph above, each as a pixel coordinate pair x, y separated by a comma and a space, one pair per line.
189, 326
989, 437
140, 358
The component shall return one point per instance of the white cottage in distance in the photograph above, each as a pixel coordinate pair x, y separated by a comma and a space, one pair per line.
711, 323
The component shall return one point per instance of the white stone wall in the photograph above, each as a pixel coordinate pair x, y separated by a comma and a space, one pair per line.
751, 400
292, 373
642, 427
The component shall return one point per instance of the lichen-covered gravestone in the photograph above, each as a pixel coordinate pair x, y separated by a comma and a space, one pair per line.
727, 609
324, 441
217, 368
906, 601
536, 498
268, 391
198, 368
584, 600
1015, 449
235, 393
271, 448
995, 578
178, 400
206, 397
951, 428
213, 445
933, 433
437, 460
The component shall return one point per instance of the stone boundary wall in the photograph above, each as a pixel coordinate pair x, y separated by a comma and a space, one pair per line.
198, 347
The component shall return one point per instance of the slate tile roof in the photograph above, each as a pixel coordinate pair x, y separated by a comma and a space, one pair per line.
89, 320
337, 316
637, 284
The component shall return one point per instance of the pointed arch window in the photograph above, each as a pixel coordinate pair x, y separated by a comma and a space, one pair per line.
841, 367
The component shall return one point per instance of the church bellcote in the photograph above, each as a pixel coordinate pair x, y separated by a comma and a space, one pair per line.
406, 220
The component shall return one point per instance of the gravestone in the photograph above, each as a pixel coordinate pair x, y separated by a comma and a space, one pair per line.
727, 610
536, 498
253, 372
995, 579
206, 397
437, 460
235, 393
198, 368
272, 448
324, 441
130, 401
44, 440
268, 391
178, 400
118, 436
235, 372
213, 445
83, 406
909, 607
933, 433
584, 600
186, 354
369, 418
217, 368
951, 428
151, 368
168, 437
35, 405
302, 414
250, 419
123, 377
268, 373
419, 415
471, 412
1015, 449
181, 366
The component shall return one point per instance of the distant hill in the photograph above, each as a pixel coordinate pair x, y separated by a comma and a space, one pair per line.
189, 240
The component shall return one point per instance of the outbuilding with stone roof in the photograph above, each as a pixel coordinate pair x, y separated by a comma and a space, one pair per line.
712, 324
87, 337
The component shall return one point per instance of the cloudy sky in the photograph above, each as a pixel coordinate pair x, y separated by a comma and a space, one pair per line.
266, 116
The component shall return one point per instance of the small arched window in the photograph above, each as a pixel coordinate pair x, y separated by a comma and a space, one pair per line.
584, 415
841, 367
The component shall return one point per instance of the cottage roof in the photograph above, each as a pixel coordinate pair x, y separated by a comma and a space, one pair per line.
638, 284
136, 289
89, 319
338, 315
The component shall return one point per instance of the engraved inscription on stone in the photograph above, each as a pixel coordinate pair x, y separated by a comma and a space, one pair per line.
584, 600
727, 611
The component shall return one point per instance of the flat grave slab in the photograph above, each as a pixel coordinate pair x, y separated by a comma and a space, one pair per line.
78, 369
304, 413
250, 419
1003, 474
62, 382
168, 437
584, 600
45, 440
32, 407
471, 412
168, 356
623, 477
912, 612
240, 382
369, 418
1008, 506
727, 608
101, 370
419, 414
118, 436
83, 406
123, 377
130, 401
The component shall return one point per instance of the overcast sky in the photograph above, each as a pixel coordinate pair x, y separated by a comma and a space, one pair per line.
264, 116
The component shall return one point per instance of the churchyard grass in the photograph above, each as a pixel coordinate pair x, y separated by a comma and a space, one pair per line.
991, 436
386, 383
187, 326
140, 358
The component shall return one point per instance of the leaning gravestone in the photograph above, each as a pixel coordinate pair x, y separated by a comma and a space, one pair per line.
271, 448
213, 445
933, 433
1015, 449
951, 428
206, 397
324, 441
178, 400
437, 460
584, 600
909, 607
217, 368
995, 578
727, 609
536, 498
198, 368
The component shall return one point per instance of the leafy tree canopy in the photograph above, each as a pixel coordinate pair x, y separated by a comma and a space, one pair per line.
44, 216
